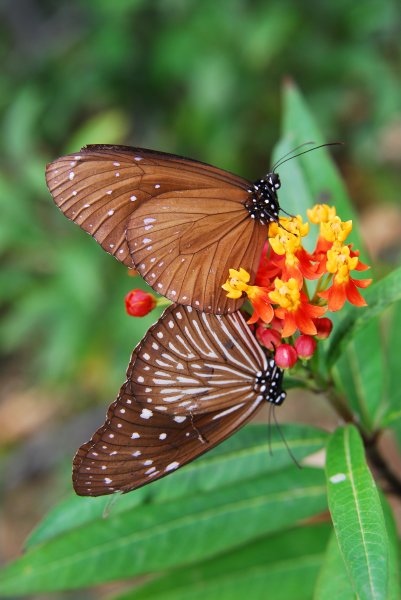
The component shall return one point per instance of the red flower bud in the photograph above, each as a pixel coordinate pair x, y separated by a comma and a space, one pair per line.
268, 337
323, 327
139, 303
285, 356
305, 345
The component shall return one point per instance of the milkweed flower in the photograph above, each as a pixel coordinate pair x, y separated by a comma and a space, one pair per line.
285, 356
340, 261
324, 327
237, 283
305, 345
139, 303
284, 310
294, 308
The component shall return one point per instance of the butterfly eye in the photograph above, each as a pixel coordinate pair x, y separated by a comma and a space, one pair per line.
181, 223
194, 380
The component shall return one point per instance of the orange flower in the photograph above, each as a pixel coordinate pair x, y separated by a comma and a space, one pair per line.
285, 239
294, 308
262, 306
340, 261
237, 284
280, 294
337, 294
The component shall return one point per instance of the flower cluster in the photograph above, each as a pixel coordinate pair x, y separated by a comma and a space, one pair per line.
287, 317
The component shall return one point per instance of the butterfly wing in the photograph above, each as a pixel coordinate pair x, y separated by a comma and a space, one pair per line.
193, 362
100, 186
136, 445
183, 245
196, 220
193, 381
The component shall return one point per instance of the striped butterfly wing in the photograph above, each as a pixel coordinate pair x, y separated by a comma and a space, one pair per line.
148, 433
138, 446
194, 362
180, 222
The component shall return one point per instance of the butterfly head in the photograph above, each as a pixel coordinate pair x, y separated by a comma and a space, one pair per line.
263, 204
268, 383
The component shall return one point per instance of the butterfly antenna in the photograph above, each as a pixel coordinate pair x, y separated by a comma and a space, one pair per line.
288, 215
269, 430
283, 436
288, 154
284, 159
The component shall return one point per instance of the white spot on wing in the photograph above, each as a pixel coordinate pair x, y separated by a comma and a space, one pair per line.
146, 413
172, 466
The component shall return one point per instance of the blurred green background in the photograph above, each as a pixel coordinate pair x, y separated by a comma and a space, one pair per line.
201, 79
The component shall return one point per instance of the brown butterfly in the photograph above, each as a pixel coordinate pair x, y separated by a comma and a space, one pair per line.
181, 223
194, 380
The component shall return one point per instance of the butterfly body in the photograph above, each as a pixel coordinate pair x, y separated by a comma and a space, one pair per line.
194, 380
263, 204
181, 223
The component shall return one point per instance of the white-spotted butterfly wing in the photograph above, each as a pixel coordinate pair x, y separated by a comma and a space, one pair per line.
181, 223
193, 381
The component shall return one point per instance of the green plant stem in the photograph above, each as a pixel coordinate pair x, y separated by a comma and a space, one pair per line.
339, 405
381, 466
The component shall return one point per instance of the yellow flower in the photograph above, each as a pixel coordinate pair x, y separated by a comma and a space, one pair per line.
236, 283
340, 262
335, 230
321, 213
286, 294
285, 237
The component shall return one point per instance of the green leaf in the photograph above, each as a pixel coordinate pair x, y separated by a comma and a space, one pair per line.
162, 535
394, 585
333, 575
242, 456
360, 375
357, 515
391, 343
278, 566
320, 172
378, 297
